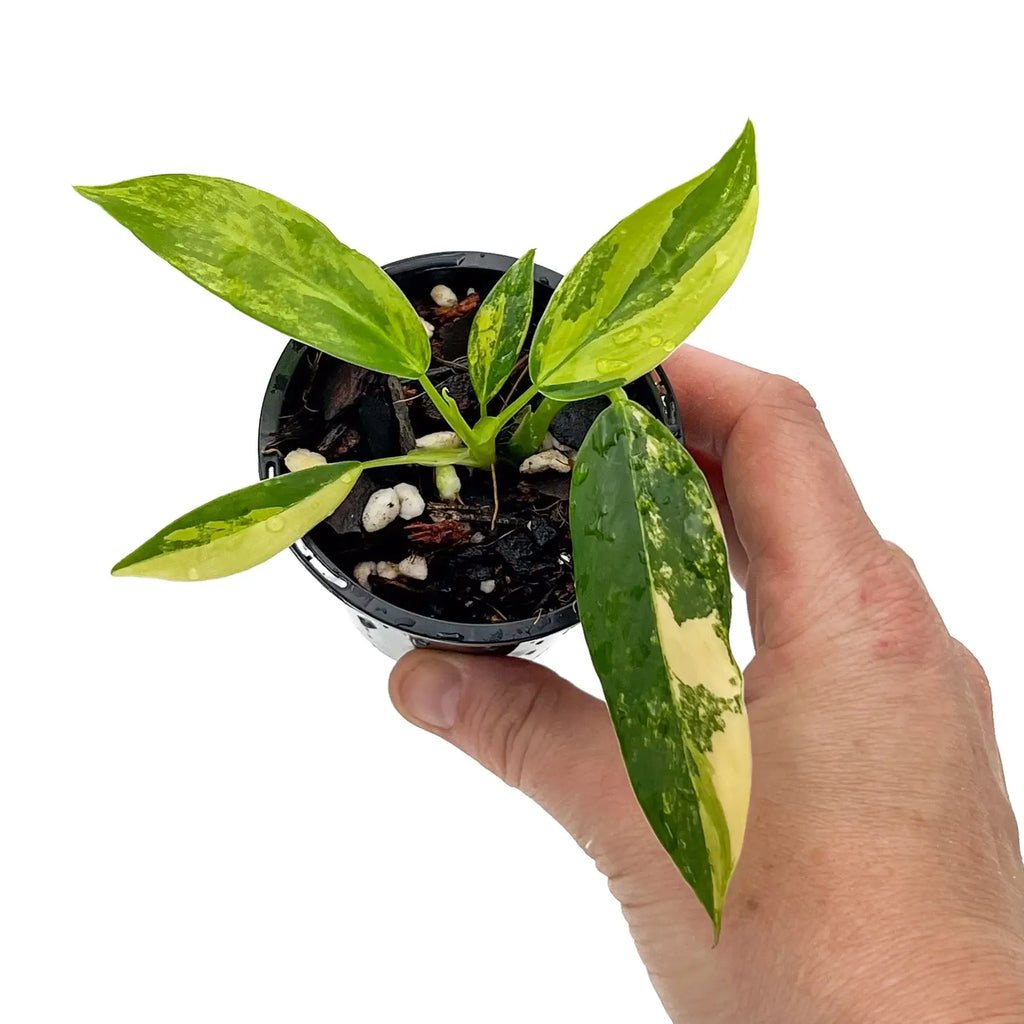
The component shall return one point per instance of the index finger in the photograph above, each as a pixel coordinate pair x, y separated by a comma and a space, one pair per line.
793, 503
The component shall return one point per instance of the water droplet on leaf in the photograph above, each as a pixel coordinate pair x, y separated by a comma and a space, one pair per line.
275, 524
193, 573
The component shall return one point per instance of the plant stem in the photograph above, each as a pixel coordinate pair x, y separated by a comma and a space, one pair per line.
450, 411
529, 435
509, 411
431, 457
494, 483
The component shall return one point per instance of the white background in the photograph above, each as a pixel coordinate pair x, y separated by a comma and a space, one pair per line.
209, 810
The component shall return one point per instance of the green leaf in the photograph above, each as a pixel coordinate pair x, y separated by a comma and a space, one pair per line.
499, 329
652, 582
243, 528
274, 262
640, 291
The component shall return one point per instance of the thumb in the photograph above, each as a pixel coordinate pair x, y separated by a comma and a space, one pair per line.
531, 728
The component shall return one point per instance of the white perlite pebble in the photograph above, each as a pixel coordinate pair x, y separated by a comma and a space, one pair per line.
477, 538
303, 458
487, 586
363, 571
387, 570
471, 291
443, 295
448, 482
410, 501
439, 439
551, 442
381, 509
428, 327
546, 460
414, 567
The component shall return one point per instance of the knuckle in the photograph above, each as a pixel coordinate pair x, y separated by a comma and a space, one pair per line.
789, 393
625, 857
902, 558
904, 622
510, 726
781, 401
974, 675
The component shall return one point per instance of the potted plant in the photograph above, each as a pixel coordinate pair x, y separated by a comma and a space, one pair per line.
475, 516
510, 593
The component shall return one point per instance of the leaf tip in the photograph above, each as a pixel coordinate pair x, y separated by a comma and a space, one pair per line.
748, 140
90, 192
716, 924
716, 907
128, 566
745, 143
742, 154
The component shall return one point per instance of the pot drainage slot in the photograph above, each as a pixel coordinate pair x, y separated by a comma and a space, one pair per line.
318, 567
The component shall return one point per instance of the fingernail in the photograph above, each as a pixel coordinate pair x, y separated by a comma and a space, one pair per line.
429, 691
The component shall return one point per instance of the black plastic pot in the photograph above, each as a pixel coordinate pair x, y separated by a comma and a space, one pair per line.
391, 629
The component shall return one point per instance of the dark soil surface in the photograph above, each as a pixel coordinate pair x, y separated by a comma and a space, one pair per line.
346, 412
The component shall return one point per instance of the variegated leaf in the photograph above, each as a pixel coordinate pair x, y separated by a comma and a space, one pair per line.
273, 261
640, 291
652, 581
244, 528
499, 329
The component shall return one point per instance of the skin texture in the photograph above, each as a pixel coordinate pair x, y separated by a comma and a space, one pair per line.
881, 878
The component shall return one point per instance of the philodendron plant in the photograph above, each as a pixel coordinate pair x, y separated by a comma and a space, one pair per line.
651, 570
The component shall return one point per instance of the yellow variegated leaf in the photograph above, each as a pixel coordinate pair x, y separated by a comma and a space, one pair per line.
652, 582
640, 291
275, 262
499, 329
244, 528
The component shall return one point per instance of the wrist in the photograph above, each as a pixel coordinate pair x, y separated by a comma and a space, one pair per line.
959, 980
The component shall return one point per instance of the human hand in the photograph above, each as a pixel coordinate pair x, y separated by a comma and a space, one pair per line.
881, 877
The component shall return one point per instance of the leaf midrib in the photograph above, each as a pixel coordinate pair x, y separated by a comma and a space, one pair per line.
647, 561
593, 335
669, 675
316, 286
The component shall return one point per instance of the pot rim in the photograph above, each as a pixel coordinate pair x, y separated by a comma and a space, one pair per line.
362, 601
